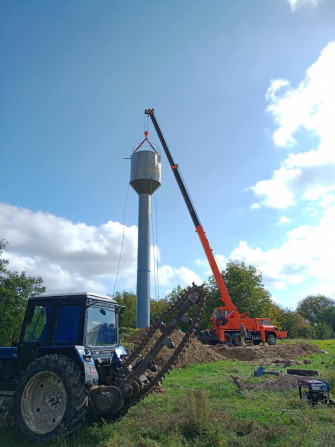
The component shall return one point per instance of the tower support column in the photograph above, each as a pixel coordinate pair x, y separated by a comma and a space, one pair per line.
143, 262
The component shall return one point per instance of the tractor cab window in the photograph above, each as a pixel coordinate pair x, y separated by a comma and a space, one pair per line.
101, 329
67, 324
37, 326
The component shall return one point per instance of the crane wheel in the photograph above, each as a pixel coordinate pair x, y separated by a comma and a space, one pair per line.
237, 341
227, 340
51, 397
271, 339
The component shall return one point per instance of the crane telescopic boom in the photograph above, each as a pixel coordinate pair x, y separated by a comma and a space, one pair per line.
198, 227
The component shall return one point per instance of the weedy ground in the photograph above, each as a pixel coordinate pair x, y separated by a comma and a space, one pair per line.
202, 407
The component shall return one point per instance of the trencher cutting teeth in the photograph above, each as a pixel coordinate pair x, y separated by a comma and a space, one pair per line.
165, 329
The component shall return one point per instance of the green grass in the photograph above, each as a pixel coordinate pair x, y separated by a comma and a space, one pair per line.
203, 408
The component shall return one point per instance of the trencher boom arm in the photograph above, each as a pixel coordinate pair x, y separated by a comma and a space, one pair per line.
225, 298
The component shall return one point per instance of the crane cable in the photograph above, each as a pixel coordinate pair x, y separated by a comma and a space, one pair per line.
154, 233
218, 262
122, 242
146, 123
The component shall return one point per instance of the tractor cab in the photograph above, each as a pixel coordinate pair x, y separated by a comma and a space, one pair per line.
63, 322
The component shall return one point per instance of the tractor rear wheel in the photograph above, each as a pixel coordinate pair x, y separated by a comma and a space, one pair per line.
51, 396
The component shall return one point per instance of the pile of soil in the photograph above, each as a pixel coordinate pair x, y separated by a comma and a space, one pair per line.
277, 353
283, 383
196, 352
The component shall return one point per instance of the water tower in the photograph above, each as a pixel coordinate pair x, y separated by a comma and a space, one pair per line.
145, 178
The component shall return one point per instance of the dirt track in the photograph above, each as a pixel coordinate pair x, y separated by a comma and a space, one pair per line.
199, 353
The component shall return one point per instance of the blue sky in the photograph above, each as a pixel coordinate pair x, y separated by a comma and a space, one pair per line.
243, 91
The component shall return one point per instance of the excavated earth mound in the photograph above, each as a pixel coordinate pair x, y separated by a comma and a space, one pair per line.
196, 352
266, 353
283, 383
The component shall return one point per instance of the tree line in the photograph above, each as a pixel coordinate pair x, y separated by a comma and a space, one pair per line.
314, 315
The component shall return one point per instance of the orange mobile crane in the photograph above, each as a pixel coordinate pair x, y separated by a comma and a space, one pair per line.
226, 320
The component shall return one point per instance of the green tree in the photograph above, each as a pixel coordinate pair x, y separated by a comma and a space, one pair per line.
3, 262
317, 309
330, 319
175, 294
323, 331
246, 289
127, 317
15, 288
296, 326
128, 314
277, 315
157, 307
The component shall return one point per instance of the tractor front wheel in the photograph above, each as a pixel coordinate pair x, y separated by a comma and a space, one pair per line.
51, 396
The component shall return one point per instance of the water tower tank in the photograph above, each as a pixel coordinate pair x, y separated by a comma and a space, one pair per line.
145, 176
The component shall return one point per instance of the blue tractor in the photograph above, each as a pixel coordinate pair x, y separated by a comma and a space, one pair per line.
68, 361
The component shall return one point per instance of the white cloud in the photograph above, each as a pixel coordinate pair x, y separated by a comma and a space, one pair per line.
295, 4
204, 264
221, 261
255, 206
178, 276
284, 220
307, 253
307, 175
280, 285
306, 178
276, 192
201, 263
55, 277
77, 257
68, 256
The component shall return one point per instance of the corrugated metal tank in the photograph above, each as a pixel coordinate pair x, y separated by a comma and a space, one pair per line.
145, 175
